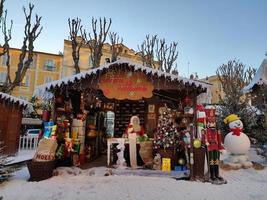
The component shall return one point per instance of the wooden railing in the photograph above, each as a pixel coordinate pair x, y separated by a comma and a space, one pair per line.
28, 142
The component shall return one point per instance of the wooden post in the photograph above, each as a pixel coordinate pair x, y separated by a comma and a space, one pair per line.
191, 155
195, 116
53, 108
192, 136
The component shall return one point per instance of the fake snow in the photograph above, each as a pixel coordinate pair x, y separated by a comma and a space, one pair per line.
22, 155
242, 184
42, 91
74, 183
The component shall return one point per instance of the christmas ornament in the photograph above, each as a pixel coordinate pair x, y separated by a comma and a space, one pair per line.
181, 161
197, 143
187, 101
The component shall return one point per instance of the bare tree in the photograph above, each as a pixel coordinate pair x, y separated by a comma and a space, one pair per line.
147, 50
1, 8
97, 39
234, 77
31, 33
77, 40
116, 47
156, 53
5, 48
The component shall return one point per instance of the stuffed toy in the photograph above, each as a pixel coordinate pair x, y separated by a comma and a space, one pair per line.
157, 162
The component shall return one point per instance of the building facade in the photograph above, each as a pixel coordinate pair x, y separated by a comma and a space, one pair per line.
85, 61
216, 89
46, 67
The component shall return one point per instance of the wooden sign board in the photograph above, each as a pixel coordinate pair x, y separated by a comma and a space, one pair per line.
125, 85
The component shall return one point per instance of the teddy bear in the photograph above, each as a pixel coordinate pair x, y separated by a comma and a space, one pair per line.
236, 143
157, 162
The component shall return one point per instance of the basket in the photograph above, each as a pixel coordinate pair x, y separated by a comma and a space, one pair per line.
146, 151
40, 170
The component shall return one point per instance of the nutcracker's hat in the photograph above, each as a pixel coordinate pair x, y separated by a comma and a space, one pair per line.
230, 118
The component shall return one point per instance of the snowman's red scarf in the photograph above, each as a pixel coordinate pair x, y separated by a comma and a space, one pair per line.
236, 131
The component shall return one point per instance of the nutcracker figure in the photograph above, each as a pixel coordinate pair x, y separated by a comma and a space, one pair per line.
214, 146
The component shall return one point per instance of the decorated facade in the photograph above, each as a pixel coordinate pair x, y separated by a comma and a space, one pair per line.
165, 105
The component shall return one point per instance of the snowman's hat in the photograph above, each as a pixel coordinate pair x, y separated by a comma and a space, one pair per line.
230, 118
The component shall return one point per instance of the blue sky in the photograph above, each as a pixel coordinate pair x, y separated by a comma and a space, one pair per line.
209, 32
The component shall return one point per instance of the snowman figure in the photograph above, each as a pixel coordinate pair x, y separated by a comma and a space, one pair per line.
121, 163
237, 143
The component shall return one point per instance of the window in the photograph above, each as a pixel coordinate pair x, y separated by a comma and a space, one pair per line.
32, 65
49, 65
26, 81
3, 77
107, 60
4, 59
48, 79
23, 98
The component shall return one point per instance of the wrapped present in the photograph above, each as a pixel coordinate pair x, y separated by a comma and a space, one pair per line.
166, 164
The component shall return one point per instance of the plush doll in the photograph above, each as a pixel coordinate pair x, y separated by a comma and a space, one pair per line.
237, 143
157, 162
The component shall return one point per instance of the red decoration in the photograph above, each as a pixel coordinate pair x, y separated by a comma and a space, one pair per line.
46, 115
187, 101
126, 85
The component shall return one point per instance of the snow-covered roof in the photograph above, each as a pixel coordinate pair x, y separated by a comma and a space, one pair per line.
14, 100
259, 78
43, 90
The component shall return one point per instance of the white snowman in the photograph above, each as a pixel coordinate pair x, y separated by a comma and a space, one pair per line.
236, 143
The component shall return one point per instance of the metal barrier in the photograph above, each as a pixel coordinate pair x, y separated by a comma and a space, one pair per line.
28, 142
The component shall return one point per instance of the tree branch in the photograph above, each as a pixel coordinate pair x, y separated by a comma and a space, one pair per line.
97, 40
116, 47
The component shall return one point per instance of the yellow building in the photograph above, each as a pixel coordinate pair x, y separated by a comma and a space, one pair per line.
45, 68
216, 88
48, 67
85, 62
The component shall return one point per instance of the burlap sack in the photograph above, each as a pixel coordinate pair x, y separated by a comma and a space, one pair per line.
46, 150
146, 151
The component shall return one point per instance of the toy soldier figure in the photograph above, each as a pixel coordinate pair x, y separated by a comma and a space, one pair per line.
214, 145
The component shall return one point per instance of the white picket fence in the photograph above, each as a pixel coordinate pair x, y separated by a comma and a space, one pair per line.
28, 142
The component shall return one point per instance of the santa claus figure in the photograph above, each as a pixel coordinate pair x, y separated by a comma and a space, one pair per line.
134, 128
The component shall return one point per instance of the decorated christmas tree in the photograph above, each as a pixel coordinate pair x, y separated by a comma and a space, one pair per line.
167, 134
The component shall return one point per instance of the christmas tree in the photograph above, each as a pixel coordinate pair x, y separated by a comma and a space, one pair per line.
167, 133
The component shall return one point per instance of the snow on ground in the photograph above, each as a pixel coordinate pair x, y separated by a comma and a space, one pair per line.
22, 156
74, 183
92, 184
